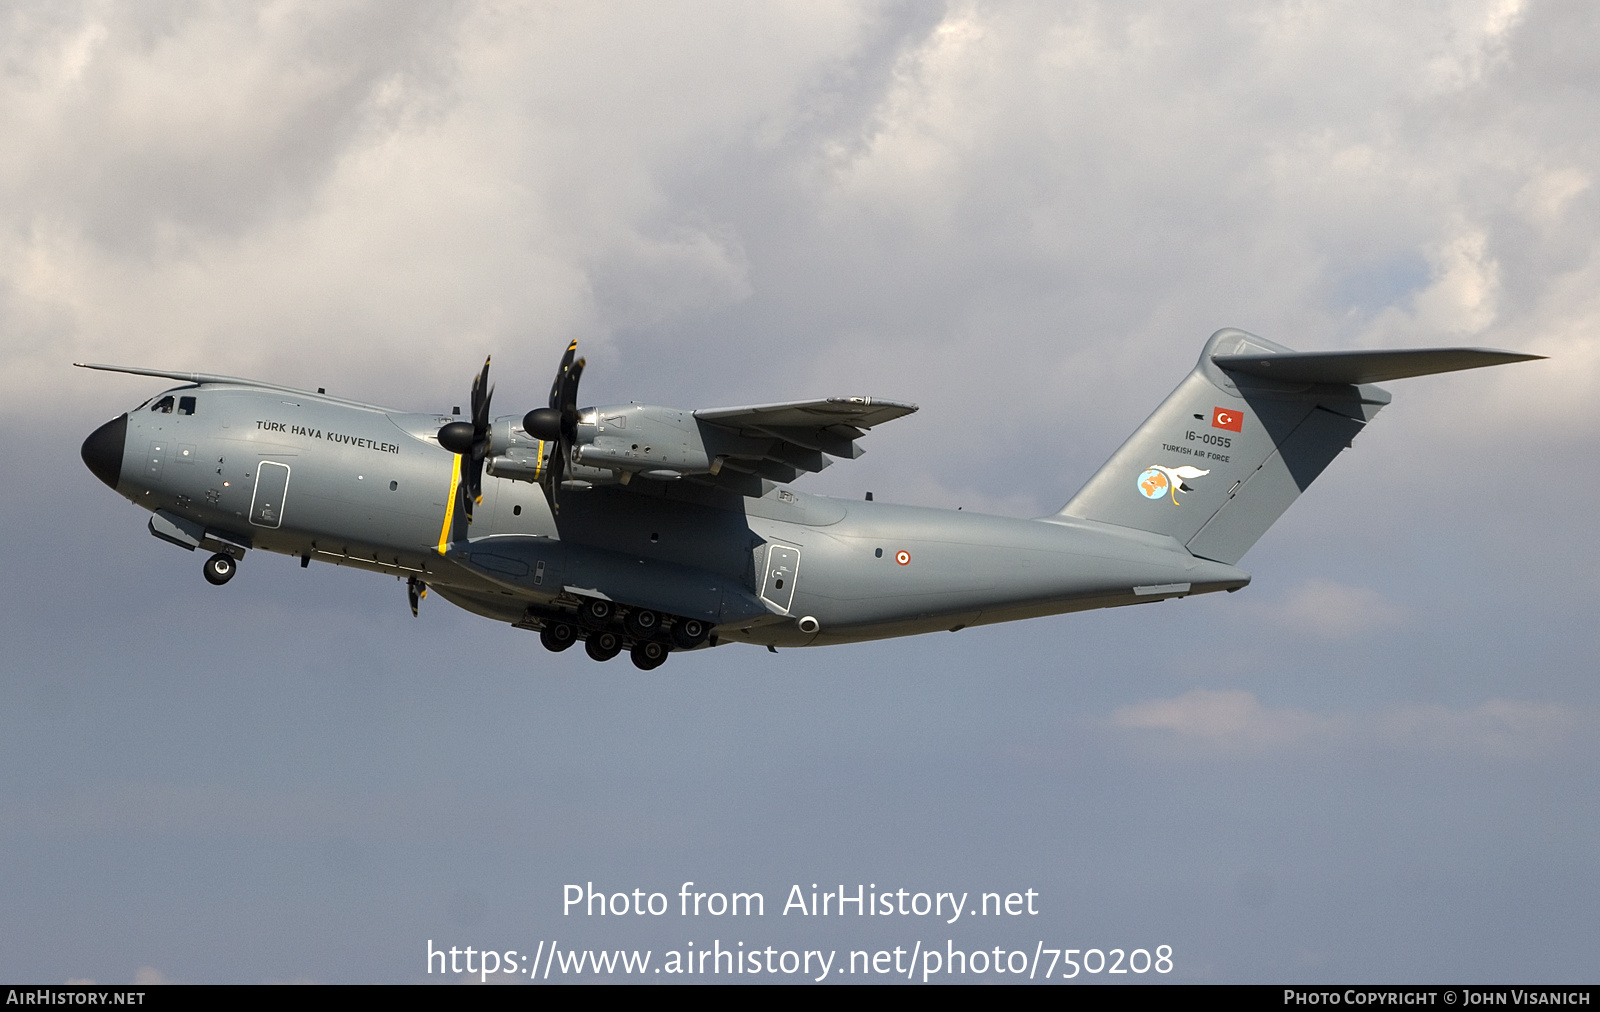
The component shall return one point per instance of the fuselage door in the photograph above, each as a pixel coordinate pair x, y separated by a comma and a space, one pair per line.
272, 486
783, 568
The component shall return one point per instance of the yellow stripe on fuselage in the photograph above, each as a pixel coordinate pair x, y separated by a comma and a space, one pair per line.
450, 505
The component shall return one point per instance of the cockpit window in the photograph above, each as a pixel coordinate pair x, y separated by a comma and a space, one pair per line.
164, 405
185, 405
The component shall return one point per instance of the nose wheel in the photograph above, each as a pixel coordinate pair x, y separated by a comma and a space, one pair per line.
219, 569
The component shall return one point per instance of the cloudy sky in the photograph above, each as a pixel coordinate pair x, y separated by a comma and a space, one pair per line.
1377, 763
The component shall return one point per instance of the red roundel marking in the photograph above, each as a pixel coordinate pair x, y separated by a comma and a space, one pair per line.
904, 558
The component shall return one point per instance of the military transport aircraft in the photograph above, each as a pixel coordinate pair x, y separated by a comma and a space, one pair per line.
652, 529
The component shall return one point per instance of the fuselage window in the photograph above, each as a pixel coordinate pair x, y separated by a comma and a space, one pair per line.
164, 405
185, 405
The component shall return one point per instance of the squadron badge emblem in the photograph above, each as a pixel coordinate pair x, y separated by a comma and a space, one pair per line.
1157, 481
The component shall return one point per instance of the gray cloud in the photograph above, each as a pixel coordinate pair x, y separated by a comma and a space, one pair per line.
1236, 721
1325, 609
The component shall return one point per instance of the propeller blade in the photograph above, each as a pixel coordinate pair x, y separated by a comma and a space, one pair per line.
472, 461
480, 450
558, 423
569, 397
561, 374
471, 484
480, 387
553, 475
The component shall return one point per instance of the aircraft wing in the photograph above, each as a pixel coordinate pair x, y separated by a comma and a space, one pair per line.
780, 442
852, 412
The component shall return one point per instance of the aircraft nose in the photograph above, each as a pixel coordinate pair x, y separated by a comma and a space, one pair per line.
102, 451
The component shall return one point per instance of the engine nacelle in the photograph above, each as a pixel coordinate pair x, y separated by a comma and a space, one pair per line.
619, 442
642, 439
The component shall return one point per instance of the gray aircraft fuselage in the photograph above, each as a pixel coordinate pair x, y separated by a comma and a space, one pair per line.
234, 466
311, 475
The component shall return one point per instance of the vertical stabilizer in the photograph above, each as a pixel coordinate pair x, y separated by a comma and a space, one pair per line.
1249, 429
1226, 453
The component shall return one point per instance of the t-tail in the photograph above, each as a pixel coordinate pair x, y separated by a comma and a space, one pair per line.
1245, 433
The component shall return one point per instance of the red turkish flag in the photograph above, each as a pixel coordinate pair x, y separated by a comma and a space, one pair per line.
1227, 418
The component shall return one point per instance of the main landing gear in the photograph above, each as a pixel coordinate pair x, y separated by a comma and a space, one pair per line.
219, 569
649, 655
557, 636
602, 646
689, 633
648, 636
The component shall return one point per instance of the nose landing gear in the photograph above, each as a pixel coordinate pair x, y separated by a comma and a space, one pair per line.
219, 569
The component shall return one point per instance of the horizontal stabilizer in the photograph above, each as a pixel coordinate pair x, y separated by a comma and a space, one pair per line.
1363, 366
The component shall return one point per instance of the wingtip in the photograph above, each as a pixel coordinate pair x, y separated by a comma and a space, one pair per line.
1509, 356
